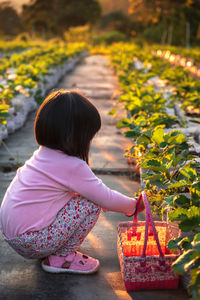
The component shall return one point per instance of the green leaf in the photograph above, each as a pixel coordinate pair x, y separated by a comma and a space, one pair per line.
3, 114
169, 200
153, 164
179, 264
176, 137
192, 263
147, 133
181, 200
169, 164
197, 247
132, 149
194, 285
178, 159
147, 98
138, 92
112, 112
132, 134
4, 107
142, 140
158, 136
179, 184
190, 222
189, 173
190, 218
174, 244
179, 214
197, 237
124, 123
163, 144
155, 177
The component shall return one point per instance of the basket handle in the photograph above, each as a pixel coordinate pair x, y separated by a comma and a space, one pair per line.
149, 219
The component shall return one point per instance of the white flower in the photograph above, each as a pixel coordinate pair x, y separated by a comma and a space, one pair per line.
12, 76
3, 81
10, 71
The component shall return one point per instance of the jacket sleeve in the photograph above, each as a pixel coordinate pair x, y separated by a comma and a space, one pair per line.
84, 182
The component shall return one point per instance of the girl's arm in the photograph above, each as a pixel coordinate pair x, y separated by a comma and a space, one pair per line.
84, 182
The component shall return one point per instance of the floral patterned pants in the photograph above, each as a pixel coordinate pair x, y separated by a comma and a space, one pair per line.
67, 232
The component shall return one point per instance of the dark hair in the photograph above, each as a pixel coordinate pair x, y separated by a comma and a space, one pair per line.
67, 121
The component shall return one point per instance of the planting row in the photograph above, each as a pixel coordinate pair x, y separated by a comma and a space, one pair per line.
149, 90
192, 54
15, 46
27, 76
188, 59
181, 90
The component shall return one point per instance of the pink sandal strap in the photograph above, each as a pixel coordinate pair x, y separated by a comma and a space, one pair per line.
75, 262
78, 261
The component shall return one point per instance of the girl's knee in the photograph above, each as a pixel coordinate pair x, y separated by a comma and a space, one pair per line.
92, 207
97, 209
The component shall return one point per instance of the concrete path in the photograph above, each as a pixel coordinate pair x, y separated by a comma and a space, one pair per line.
95, 80
22, 279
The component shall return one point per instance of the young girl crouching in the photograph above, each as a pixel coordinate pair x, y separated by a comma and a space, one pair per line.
55, 199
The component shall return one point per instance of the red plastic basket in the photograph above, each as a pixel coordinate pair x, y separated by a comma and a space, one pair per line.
145, 260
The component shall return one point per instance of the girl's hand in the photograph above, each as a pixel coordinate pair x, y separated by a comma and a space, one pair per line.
141, 206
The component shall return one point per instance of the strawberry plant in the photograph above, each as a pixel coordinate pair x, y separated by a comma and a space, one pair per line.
192, 54
185, 209
6, 96
186, 87
22, 71
169, 171
3, 113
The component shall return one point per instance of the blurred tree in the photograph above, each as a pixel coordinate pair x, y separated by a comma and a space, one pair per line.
150, 10
56, 16
38, 15
167, 14
116, 20
10, 21
109, 6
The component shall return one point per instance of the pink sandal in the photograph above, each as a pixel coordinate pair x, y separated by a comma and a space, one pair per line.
76, 263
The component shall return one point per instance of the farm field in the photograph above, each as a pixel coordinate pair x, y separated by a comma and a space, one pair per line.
162, 105
27, 75
155, 105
